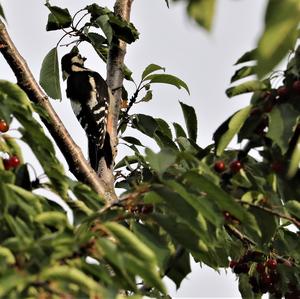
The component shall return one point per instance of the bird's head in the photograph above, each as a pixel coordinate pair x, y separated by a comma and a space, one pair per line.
72, 62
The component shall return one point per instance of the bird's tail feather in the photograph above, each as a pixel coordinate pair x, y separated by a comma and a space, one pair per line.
96, 153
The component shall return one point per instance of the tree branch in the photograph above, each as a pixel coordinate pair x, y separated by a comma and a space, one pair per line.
115, 77
235, 232
72, 153
271, 211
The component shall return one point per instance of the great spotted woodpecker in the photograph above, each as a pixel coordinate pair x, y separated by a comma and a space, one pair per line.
89, 96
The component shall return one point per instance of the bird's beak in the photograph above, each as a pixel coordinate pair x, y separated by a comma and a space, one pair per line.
84, 59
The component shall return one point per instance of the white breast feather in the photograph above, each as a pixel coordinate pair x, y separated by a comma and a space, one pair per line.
76, 107
93, 99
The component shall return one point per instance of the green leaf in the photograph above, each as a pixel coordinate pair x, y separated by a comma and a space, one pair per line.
131, 243
14, 148
12, 281
203, 206
267, 223
53, 218
95, 10
246, 289
179, 131
243, 72
154, 241
123, 30
103, 22
148, 272
279, 35
222, 199
150, 69
293, 207
99, 43
148, 97
233, 125
49, 75
71, 274
14, 98
248, 56
190, 120
178, 231
58, 18
112, 25
86, 195
132, 140
2, 13
180, 266
96, 39
145, 123
282, 119
249, 86
164, 127
7, 255
33, 200
202, 11
167, 79
127, 161
164, 141
184, 211
162, 160
295, 160
19, 228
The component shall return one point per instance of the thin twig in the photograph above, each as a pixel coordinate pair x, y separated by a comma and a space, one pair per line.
239, 235
79, 11
125, 198
75, 27
125, 118
271, 211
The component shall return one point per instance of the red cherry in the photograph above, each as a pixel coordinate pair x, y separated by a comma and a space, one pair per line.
277, 167
219, 166
14, 161
232, 264
236, 166
241, 268
266, 279
3, 126
147, 209
6, 164
282, 91
296, 86
271, 263
268, 106
255, 112
227, 216
266, 94
260, 268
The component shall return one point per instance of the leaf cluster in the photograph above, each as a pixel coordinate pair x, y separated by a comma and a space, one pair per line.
102, 29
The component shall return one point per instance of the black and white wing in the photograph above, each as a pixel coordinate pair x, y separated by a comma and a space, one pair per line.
89, 95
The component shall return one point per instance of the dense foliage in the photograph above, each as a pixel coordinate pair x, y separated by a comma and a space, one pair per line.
237, 208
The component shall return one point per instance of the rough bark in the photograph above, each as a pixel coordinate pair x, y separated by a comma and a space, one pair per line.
72, 153
115, 77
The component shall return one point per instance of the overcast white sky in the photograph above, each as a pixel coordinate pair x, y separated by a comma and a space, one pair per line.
168, 38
